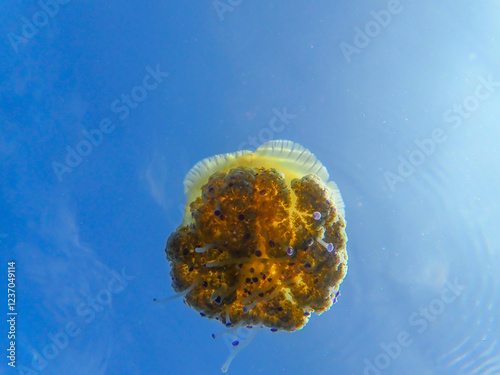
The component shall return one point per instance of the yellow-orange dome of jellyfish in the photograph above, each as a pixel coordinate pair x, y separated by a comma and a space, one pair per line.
263, 240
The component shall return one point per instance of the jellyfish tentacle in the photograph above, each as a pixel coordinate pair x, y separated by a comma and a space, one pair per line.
183, 294
203, 249
327, 245
236, 351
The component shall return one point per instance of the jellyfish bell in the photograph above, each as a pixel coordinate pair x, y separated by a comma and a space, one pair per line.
262, 242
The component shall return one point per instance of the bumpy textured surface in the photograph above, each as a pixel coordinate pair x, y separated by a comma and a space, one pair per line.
259, 252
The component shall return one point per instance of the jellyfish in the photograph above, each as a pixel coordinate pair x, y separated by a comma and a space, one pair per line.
262, 242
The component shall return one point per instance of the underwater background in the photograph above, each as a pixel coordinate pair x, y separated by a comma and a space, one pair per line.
105, 106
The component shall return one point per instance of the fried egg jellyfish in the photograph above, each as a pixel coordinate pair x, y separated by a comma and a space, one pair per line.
262, 242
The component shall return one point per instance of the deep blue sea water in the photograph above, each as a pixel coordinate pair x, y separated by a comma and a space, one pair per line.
105, 106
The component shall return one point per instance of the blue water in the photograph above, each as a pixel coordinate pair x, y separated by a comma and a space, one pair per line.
105, 106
